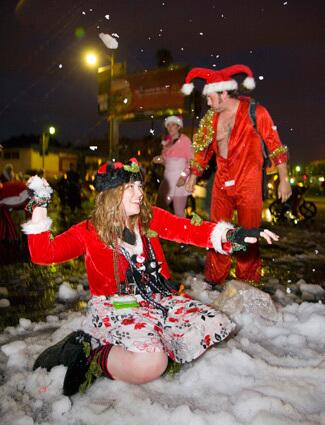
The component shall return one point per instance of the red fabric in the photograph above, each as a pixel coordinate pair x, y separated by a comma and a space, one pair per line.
82, 239
248, 265
8, 229
244, 166
10, 189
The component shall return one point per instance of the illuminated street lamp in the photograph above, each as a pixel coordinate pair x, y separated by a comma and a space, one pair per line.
44, 143
91, 59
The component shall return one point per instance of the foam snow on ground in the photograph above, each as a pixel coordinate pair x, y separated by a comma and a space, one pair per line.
268, 373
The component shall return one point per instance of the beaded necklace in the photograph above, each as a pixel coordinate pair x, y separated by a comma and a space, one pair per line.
147, 282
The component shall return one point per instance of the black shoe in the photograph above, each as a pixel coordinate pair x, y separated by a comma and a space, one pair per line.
63, 352
82, 373
76, 374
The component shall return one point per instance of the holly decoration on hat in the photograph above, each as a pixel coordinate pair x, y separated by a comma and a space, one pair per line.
134, 167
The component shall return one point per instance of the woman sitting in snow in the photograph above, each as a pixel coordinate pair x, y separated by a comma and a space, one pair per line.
135, 318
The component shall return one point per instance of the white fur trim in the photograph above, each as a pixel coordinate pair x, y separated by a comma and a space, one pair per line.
40, 187
15, 200
187, 88
175, 120
216, 235
222, 86
31, 228
249, 83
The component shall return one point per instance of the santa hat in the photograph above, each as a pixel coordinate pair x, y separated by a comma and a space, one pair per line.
114, 174
218, 81
174, 119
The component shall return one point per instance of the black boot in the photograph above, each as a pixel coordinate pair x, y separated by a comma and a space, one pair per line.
64, 352
85, 369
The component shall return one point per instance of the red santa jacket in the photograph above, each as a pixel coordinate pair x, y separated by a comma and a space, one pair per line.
82, 239
243, 167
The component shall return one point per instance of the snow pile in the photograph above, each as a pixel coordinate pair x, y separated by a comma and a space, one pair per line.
271, 372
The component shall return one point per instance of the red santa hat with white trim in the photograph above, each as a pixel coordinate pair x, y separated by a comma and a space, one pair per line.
218, 81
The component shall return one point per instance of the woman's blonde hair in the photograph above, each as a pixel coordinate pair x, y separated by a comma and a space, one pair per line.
109, 219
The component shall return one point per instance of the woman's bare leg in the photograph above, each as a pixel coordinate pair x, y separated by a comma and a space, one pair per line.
179, 204
135, 368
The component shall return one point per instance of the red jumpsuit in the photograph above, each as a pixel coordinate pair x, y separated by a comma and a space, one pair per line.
238, 184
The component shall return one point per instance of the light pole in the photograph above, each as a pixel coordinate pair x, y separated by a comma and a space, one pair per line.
45, 138
111, 121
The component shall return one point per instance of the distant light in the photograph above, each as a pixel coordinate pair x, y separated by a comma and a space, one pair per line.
182, 49
52, 130
93, 148
60, 66
139, 152
91, 59
79, 32
83, 13
261, 77
201, 33
107, 17
298, 168
292, 180
152, 131
321, 179
125, 100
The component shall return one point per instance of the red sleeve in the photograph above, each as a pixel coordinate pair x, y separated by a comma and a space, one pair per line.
179, 229
277, 151
64, 247
201, 160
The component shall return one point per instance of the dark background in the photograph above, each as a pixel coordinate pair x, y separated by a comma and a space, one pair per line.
283, 41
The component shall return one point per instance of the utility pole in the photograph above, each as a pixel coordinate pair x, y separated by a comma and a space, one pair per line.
111, 119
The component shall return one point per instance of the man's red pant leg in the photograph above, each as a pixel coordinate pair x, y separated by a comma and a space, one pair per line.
249, 264
217, 266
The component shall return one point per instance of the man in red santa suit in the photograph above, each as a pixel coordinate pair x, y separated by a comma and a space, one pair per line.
228, 132
135, 315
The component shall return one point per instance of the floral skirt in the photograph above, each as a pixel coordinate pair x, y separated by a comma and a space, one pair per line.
188, 330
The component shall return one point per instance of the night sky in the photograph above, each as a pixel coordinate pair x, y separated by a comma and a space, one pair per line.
44, 80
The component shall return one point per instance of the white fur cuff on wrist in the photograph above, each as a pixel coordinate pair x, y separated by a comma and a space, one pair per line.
31, 228
217, 234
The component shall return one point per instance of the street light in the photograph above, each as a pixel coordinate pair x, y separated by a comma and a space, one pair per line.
91, 59
45, 138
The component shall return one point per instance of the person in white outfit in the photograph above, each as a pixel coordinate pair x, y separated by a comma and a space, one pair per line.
176, 155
